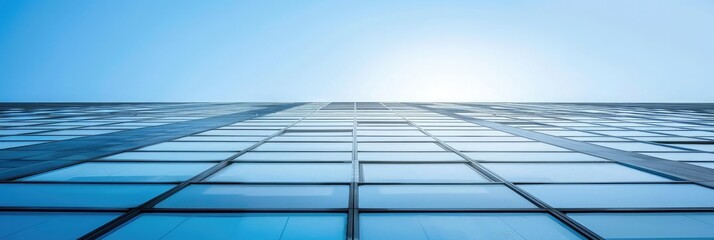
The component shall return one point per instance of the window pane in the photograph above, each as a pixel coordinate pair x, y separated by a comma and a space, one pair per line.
123, 172
317, 146
460, 226
636, 146
408, 156
686, 225
172, 156
408, 146
296, 156
50, 225
440, 196
505, 146
259, 196
286, 172
622, 195
199, 146
78, 195
264, 226
422, 173
531, 156
570, 172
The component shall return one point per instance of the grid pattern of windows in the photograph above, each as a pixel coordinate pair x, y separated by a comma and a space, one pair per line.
366, 171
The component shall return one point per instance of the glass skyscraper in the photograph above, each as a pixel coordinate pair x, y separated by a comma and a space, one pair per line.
366, 170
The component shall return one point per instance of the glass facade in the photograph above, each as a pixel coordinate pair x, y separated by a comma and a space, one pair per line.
365, 170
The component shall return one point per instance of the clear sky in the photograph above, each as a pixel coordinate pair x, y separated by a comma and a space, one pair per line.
258, 50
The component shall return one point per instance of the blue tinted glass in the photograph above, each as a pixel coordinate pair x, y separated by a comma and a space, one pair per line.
408, 156
199, 146
505, 146
172, 156
440, 196
46, 225
123, 172
4, 145
296, 156
622, 195
304, 146
78, 195
286, 172
460, 226
257, 226
259, 196
531, 156
570, 172
408, 146
649, 225
422, 173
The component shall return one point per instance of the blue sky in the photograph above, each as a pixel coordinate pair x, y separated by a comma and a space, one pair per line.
180, 50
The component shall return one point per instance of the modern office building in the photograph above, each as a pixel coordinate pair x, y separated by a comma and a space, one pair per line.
369, 171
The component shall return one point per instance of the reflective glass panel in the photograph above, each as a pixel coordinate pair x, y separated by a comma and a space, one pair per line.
123, 172
622, 195
78, 195
259, 226
460, 226
421, 173
296, 156
408, 146
440, 196
172, 156
680, 225
408, 156
570, 172
286, 172
199, 146
50, 225
505, 146
259, 196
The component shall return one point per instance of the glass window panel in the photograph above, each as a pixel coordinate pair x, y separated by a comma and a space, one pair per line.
80, 132
123, 172
311, 139
259, 196
685, 225
460, 226
410, 146
700, 147
570, 172
636, 146
78, 195
199, 146
296, 156
171, 156
4, 145
408, 156
505, 146
240, 132
684, 156
221, 138
628, 133
421, 173
36, 138
50, 225
301, 146
263, 226
531, 156
286, 172
389, 133
440, 196
622, 195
